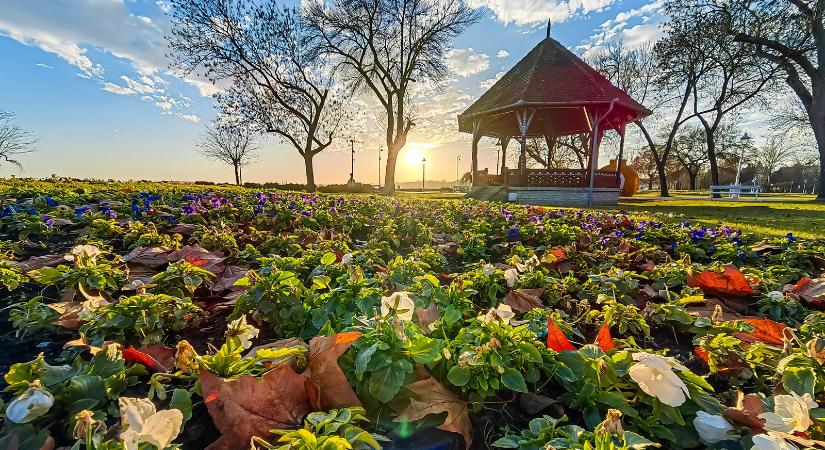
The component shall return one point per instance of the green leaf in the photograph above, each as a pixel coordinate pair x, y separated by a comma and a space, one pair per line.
458, 376
182, 401
634, 441
800, 380
328, 259
363, 359
384, 384
513, 380
424, 350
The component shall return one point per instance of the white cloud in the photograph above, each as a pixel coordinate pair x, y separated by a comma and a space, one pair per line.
503, 54
115, 89
648, 17
536, 12
465, 62
487, 84
190, 117
70, 28
44, 66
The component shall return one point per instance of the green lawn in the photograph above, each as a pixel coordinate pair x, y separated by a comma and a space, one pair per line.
770, 215
774, 215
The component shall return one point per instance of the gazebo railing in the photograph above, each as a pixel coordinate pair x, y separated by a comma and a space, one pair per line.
547, 178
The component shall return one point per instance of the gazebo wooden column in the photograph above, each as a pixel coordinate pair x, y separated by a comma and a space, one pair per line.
505, 142
476, 138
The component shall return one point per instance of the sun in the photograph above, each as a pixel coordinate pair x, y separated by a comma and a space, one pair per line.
413, 155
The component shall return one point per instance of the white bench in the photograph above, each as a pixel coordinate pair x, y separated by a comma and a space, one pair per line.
734, 191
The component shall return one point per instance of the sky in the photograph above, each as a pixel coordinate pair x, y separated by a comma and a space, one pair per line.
91, 79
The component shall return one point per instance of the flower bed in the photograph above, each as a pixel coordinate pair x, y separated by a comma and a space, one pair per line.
227, 318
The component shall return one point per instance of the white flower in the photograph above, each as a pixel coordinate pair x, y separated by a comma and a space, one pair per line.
29, 405
347, 258
654, 374
711, 428
776, 295
81, 254
488, 269
141, 423
468, 358
240, 329
770, 442
400, 304
501, 314
791, 413
511, 275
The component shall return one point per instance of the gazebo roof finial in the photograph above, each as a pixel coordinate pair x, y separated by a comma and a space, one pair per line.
549, 26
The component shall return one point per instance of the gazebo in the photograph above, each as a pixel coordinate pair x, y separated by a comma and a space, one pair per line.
549, 94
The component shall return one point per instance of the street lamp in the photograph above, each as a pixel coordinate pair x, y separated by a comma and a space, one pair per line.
351, 181
423, 166
745, 140
379, 166
499, 145
457, 179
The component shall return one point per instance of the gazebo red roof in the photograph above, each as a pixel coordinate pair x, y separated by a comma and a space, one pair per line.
559, 87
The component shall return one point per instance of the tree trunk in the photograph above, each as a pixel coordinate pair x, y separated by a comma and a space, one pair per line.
389, 175
237, 174
817, 118
650, 182
660, 162
693, 177
310, 171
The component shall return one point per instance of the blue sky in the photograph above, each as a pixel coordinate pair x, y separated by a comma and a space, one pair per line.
91, 79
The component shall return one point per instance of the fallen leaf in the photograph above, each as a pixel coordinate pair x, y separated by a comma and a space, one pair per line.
731, 281
709, 306
200, 257
556, 340
184, 228
534, 404
764, 330
432, 397
134, 355
226, 279
324, 351
811, 291
427, 316
39, 262
154, 257
747, 411
82, 342
249, 406
524, 300
604, 340
68, 311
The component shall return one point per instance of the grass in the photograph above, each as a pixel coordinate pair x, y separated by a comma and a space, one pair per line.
771, 215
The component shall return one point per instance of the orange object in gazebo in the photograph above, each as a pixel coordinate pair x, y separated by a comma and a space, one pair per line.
549, 94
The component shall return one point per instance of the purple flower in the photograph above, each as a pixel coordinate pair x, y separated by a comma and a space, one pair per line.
78, 212
790, 237
188, 210
513, 234
50, 201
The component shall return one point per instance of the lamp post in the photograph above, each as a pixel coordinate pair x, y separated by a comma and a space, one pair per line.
352, 166
498, 151
745, 139
379, 166
457, 179
423, 167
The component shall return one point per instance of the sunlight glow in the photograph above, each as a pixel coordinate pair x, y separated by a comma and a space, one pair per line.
414, 152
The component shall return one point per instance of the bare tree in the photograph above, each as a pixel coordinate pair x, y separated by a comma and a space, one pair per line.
691, 152
382, 46
778, 150
14, 139
638, 71
733, 77
645, 164
233, 145
790, 34
279, 83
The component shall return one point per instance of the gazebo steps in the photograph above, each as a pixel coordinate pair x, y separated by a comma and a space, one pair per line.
488, 193
546, 196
